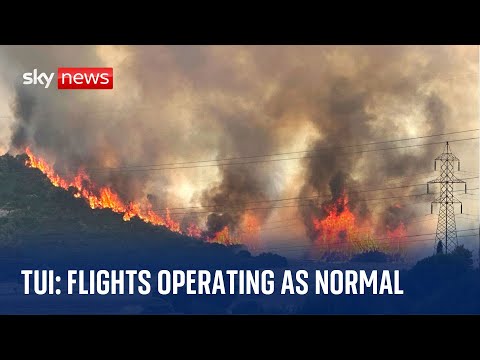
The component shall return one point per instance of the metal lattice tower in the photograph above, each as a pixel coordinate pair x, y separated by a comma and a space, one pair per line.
446, 236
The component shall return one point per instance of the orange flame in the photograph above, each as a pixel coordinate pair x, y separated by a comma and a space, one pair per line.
103, 197
397, 235
339, 225
225, 237
248, 234
194, 231
251, 231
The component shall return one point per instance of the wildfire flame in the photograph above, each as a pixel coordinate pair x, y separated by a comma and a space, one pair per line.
338, 226
247, 234
341, 227
194, 231
224, 236
104, 197
251, 231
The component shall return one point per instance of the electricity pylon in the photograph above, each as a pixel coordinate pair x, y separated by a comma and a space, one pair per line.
446, 236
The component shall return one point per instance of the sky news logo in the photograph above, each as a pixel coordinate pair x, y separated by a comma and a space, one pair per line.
72, 78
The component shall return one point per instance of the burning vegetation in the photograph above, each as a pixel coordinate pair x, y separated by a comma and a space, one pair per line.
336, 225
340, 224
341, 230
104, 197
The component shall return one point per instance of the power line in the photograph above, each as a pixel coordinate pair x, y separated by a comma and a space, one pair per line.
225, 209
290, 218
27, 171
271, 160
326, 196
363, 227
468, 172
298, 205
290, 152
172, 167
159, 168
318, 196
384, 240
328, 248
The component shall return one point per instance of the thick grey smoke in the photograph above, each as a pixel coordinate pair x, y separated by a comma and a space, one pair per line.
344, 112
231, 197
185, 103
394, 216
239, 185
23, 110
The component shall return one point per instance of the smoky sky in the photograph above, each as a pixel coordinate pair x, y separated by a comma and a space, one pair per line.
347, 120
23, 110
187, 103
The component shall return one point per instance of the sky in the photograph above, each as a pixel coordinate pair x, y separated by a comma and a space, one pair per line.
175, 104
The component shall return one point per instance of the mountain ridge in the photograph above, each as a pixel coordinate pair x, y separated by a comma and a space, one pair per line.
38, 217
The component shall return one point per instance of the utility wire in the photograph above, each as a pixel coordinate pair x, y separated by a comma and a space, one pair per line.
297, 205
326, 247
324, 196
313, 197
159, 167
286, 153
384, 239
132, 169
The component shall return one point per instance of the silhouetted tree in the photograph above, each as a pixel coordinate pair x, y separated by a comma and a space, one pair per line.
371, 256
464, 256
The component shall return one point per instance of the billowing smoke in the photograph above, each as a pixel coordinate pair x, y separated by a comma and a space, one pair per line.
345, 111
395, 215
229, 199
23, 110
176, 104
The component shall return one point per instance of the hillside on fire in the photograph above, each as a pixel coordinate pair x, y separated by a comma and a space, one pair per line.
38, 217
